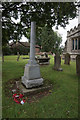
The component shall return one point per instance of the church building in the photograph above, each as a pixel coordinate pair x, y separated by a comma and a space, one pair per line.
72, 44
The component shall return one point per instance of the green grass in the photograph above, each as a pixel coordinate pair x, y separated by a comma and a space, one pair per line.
62, 103
0, 87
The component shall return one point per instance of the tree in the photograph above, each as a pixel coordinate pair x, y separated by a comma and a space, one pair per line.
43, 13
50, 40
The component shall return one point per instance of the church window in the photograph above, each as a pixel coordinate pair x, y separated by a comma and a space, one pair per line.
76, 44
73, 45
79, 44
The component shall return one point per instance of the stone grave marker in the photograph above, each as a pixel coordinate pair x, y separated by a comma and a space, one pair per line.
43, 59
57, 62
67, 59
18, 56
78, 65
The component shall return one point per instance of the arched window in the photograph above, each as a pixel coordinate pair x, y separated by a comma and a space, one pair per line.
76, 44
79, 44
72, 44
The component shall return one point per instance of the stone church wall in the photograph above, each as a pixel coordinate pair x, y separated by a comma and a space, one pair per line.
72, 45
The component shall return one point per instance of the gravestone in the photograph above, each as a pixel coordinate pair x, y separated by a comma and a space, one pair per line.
67, 59
32, 77
18, 56
57, 62
43, 59
78, 65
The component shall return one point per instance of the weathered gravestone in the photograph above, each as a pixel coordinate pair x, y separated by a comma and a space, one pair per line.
32, 77
43, 59
57, 62
18, 56
67, 59
78, 65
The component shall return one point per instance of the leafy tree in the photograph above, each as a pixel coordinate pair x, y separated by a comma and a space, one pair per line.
50, 40
43, 13
21, 49
38, 36
6, 50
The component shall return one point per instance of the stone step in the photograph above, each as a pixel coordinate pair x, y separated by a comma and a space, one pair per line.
32, 91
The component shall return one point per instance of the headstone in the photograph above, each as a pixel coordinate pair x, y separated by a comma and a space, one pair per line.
18, 56
43, 59
78, 65
67, 59
57, 62
32, 77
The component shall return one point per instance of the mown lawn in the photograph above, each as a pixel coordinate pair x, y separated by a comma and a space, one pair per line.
0, 87
61, 103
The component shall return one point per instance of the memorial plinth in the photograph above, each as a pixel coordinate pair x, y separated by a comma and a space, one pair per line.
32, 77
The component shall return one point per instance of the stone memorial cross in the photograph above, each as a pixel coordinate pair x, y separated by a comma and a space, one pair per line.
32, 77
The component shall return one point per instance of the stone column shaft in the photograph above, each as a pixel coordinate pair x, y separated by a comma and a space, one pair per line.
32, 41
32, 77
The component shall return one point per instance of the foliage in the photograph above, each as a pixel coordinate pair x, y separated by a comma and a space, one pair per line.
50, 40
38, 35
6, 50
21, 49
43, 13
61, 103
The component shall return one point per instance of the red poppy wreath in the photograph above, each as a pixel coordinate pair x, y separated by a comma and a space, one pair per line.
18, 98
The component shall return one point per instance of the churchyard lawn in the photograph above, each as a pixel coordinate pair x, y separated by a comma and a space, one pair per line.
62, 102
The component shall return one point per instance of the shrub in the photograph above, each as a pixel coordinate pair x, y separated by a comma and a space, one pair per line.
6, 50
21, 49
